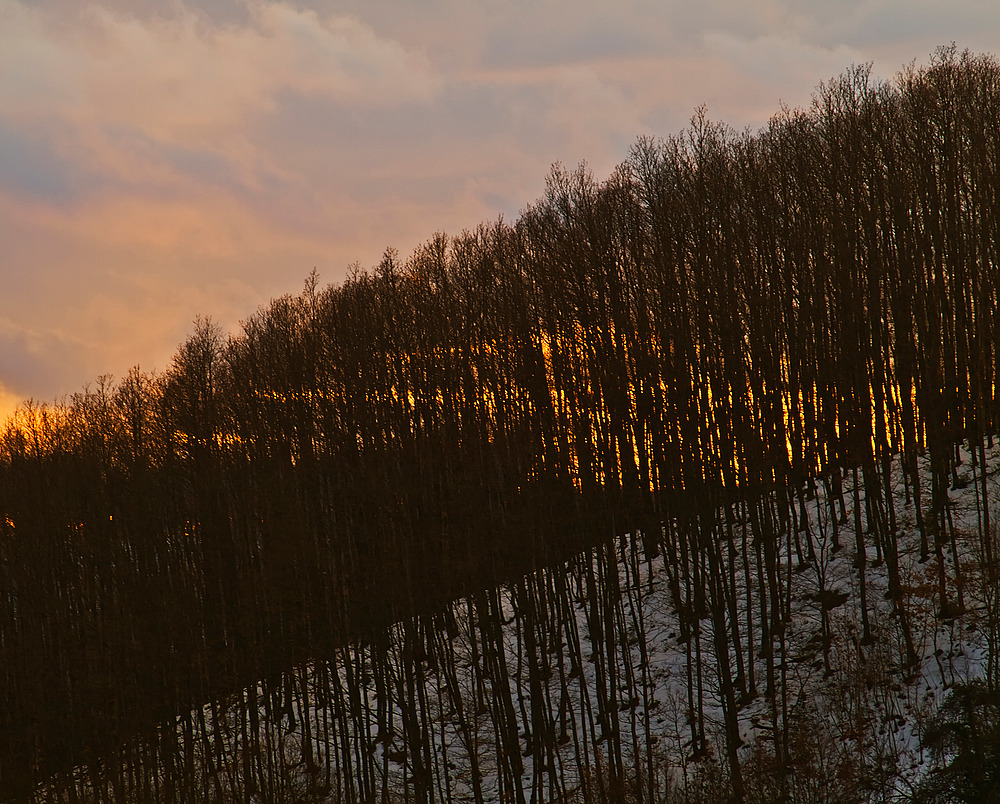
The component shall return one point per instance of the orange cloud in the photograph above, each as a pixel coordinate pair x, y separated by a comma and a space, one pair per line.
8, 403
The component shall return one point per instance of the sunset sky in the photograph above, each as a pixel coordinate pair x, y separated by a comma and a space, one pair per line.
163, 159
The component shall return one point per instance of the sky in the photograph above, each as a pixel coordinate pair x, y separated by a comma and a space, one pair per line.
167, 159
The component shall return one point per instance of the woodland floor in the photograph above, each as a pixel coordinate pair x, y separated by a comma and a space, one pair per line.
593, 679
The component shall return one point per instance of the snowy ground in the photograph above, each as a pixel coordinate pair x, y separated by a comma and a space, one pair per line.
870, 706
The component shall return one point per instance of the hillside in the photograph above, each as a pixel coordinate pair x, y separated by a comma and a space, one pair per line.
638, 493
598, 679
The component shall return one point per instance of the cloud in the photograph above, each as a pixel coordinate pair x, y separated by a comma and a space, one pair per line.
30, 166
754, 76
180, 75
8, 403
29, 358
143, 102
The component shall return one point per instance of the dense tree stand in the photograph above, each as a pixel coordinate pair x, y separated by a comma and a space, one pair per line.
425, 534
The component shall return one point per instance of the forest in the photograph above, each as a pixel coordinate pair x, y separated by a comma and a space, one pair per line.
677, 488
